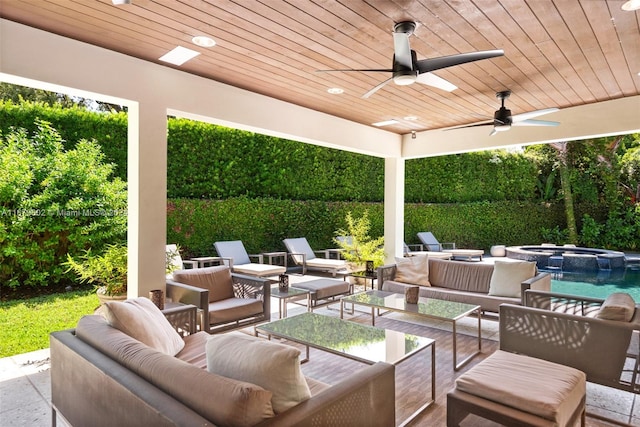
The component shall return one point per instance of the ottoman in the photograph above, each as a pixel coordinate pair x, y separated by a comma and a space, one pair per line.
517, 390
324, 291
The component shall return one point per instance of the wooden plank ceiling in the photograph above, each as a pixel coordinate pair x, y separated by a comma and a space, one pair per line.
558, 53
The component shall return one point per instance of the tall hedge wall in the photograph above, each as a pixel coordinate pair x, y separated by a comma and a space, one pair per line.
262, 223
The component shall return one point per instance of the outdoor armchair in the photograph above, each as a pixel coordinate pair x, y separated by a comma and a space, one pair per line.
574, 331
236, 257
305, 257
226, 300
175, 261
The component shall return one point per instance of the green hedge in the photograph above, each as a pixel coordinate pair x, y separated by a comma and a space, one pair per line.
263, 223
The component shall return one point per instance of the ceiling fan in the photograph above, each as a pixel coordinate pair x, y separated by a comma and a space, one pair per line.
407, 69
503, 120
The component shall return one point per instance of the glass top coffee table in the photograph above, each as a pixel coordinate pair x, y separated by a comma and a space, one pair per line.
426, 307
366, 344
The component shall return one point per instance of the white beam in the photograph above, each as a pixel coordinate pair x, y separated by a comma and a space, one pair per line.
393, 209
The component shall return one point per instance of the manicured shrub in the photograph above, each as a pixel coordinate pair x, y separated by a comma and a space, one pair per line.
53, 202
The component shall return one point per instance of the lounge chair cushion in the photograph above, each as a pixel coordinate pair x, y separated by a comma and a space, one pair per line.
270, 365
507, 277
216, 279
141, 319
232, 309
618, 306
413, 270
329, 264
549, 390
260, 270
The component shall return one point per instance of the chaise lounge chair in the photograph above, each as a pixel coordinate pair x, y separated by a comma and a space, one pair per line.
408, 252
236, 256
432, 244
304, 256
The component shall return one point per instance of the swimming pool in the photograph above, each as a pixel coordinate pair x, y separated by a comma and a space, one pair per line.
598, 285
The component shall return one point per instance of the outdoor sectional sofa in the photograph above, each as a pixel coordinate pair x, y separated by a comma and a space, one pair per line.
486, 285
103, 376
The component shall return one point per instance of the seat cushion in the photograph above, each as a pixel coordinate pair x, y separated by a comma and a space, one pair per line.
270, 365
531, 385
216, 279
329, 264
194, 350
231, 309
260, 270
141, 319
508, 275
413, 270
324, 288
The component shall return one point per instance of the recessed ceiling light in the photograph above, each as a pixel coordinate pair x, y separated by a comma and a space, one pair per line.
179, 55
119, 2
410, 118
631, 5
203, 41
335, 90
385, 123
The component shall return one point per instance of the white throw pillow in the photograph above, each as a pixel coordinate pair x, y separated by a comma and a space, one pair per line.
507, 277
272, 366
618, 306
413, 270
141, 319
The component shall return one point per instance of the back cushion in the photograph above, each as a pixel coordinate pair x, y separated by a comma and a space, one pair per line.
141, 319
460, 275
224, 401
216, 279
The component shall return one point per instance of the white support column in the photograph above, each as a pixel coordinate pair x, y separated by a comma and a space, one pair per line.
393, 208
147, 199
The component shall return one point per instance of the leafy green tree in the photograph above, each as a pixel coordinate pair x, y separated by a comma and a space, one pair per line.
19, 94
54, 202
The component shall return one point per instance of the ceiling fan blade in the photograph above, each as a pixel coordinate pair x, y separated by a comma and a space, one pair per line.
426, 65
373, 70
535, 123
375, 89
472, 126
435, 81
493, 132
532, 114
402, 50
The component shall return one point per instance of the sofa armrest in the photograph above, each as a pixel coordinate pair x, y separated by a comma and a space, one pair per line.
539, 282
364, 398
187, 294
254, 287
386, 272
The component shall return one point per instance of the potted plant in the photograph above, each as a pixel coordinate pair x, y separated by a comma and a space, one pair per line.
360, 247
108, 272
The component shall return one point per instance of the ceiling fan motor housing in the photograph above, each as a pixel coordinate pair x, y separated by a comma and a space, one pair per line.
502, 119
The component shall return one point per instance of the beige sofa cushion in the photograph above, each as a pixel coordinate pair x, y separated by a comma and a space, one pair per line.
141, 319
618, 306
508, 275
216, 279
535, 386
413, 270
224, 401
273, 366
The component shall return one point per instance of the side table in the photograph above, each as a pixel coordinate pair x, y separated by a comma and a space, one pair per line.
290, 293
204, 260
362, 275
271, 255
187, 319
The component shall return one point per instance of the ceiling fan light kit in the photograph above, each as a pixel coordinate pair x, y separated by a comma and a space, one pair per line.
407, 69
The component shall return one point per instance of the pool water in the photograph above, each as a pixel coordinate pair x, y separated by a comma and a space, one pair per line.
598, 284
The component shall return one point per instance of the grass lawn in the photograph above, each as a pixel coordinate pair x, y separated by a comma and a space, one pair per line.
25, 324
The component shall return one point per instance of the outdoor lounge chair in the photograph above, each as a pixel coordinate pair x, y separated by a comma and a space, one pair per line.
175, 262
408, 252
430, 242
302, 255
578, 332
236, 257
